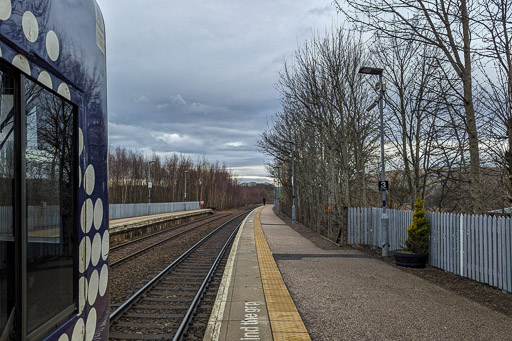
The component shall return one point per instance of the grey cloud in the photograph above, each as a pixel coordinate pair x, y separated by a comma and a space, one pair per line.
178, 99
321, 11
142, 99
198, 78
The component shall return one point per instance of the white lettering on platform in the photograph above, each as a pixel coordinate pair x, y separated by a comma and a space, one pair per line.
249, 325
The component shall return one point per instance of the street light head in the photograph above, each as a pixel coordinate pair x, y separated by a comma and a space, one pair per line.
371, 70
373, 105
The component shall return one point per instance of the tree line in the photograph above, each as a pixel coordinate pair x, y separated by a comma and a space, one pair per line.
447, 116
212, 183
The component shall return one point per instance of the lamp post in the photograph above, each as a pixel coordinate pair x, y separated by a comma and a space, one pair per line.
293, 179
277, 194
186, 185
149, 180
383, 185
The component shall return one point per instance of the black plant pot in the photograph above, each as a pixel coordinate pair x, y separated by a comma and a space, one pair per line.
411, 260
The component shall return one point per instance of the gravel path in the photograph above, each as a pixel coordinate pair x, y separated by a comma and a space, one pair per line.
345, 294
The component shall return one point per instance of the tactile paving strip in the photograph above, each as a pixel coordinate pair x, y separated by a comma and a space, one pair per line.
285, 320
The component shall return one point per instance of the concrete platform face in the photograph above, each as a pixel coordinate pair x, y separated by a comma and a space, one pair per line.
127, 228
347, 295
155, 217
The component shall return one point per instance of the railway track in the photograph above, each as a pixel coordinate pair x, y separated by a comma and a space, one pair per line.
172, 234
164, 308
151, 235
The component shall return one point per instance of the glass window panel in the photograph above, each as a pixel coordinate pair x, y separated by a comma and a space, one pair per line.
7, 286
50, 218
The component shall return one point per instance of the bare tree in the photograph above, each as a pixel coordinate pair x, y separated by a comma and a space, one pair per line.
212, 183
323, 101
495, 32
443, 24
413, 112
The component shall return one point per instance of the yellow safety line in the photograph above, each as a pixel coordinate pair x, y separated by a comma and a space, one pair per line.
285, 321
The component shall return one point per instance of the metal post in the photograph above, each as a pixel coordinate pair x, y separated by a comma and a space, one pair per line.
275, 192
149, 182
186, 185
293, 183
278, 177
384, 217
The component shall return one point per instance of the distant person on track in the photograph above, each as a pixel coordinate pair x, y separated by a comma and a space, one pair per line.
264, 201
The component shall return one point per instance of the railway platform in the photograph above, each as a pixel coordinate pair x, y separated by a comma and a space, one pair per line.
125, 228
278, 285
253, 302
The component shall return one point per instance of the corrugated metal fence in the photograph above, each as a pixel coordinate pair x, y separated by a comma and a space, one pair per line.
37, 217
119, 211
474, 246
44, 230
48, 216
44, 227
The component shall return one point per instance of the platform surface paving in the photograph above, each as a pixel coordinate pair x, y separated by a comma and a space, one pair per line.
347, 295
155, 217
339, 294
253, 302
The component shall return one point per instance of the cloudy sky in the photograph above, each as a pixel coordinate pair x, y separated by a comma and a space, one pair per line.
198, 77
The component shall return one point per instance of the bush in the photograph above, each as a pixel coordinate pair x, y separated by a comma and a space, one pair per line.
418, 234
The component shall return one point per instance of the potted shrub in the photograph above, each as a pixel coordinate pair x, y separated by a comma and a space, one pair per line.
418, 239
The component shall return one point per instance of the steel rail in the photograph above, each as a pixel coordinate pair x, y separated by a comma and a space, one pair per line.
131, 300
137, 253
182, 329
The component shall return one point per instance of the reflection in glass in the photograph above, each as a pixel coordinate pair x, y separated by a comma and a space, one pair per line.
50, 219
7, 254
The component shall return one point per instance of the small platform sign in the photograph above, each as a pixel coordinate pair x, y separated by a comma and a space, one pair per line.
150, 185
383, 186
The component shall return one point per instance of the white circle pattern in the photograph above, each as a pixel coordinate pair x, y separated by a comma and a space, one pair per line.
52, 45
87, 215
63, 90
103, 280
44, 77
93, 287
89, 179
82, 293
30, 26
83, 262
78, 331
21, 63
80, 141
90, 213
105, 244
88, 249
90, 327
5, 9
98, 213
79, 176
96, 249
64, 337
